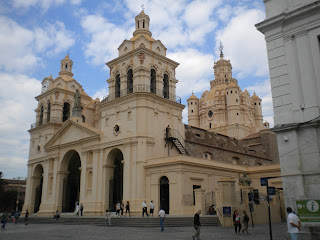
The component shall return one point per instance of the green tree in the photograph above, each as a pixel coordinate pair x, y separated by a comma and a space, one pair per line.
7, 198
2, 182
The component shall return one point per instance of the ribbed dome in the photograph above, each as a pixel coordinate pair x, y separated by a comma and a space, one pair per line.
193, 97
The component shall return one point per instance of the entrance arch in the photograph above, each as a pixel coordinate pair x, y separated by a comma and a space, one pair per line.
37, 183
71, 183
164, 194
115, 157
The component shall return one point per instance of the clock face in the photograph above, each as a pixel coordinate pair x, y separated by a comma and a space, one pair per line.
45, 86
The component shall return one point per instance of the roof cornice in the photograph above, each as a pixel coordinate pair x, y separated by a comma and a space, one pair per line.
286, 18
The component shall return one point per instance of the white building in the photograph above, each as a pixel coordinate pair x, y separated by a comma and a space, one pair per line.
292, 32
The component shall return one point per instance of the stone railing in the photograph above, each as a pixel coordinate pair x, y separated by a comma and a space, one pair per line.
45, 121
142, 88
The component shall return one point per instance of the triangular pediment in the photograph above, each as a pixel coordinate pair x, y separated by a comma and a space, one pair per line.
72, 132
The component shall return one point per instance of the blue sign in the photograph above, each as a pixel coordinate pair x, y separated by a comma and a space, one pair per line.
271, 190
226, 211
263, 181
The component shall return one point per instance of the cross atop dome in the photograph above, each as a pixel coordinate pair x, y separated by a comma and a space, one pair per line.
221, 49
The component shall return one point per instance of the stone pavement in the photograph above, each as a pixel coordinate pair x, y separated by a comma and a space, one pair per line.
58, 231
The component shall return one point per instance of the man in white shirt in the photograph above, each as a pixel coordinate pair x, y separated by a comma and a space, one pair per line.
162, 215
144, 209
294, 224
151, 207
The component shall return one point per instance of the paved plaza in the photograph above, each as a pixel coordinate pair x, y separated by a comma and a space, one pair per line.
58, 231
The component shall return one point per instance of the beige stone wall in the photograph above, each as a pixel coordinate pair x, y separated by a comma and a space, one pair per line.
260, 150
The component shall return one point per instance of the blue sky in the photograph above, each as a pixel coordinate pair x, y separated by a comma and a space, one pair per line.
36, 34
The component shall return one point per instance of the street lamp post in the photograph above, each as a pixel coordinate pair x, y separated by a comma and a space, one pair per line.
17, 202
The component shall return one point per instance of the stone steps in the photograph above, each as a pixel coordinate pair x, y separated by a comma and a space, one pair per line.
170, 221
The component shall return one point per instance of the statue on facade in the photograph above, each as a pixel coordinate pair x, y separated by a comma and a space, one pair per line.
76, 111
77, 99
245, 179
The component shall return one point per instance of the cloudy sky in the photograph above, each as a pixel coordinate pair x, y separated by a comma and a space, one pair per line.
36, 34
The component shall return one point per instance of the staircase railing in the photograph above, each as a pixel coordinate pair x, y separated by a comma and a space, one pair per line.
175, 134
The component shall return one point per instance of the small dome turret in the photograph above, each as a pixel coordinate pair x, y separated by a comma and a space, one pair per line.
142, 24
66, 66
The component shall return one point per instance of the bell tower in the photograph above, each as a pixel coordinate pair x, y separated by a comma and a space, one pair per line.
66, 66
141, 104
142, 24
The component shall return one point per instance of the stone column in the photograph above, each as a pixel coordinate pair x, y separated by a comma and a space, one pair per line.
200, 200
60, 188
227, 198
107, 173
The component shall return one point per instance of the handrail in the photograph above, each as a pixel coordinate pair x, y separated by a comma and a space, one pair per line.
173, 133
45, 121
219, 211
141, 88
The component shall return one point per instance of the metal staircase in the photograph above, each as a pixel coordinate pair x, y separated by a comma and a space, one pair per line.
175, 137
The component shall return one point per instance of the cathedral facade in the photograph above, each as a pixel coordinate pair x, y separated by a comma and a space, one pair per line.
132, 145
225, 108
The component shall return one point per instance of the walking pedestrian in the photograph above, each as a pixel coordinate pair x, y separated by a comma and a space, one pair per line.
77, 209
118, 209
16, 217
245, 221
4, 219
197, 225
236, 221
294, 224
162, 215
81, 209
26, 218
128, 208
144, 209
107, 218
151, 207
121, 208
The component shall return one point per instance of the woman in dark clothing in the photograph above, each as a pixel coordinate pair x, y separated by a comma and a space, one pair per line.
26, 218
128, 208
236, 221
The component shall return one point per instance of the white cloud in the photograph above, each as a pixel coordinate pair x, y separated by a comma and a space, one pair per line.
44, 4
17, 93
20, 52
185, 115
101, 93
105, 38
243, 44
224, 13
193, 72
180, 25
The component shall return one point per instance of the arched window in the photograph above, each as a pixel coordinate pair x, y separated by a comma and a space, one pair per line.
66, 66
166, 86
143, 24
83, 119
210, 125
153, 81
41, 116
138, 24
66, 112
130, 81
117, 86
48, 113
